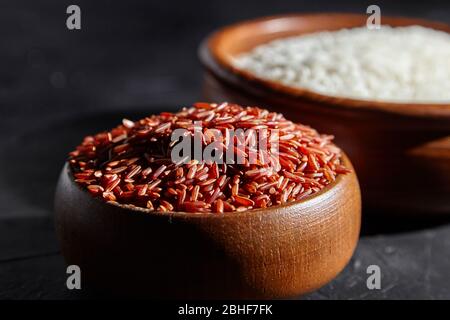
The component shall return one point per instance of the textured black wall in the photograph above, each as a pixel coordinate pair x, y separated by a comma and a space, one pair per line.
131, 52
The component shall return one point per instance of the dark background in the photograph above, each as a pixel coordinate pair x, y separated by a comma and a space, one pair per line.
133, 58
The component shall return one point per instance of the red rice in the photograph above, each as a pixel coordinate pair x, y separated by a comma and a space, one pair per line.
131, 164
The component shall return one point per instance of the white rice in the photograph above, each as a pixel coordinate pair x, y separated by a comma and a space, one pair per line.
407, 64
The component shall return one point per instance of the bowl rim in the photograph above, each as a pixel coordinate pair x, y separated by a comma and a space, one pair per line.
187, 215
217, 62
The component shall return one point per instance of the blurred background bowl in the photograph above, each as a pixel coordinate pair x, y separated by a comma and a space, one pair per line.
275, 252
401, 151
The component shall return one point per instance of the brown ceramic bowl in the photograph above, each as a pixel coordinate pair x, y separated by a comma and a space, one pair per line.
277, 252
401, 151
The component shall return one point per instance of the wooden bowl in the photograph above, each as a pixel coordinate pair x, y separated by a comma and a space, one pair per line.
401, 151
276, 252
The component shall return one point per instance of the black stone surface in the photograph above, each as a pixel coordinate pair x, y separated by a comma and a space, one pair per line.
133, 58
